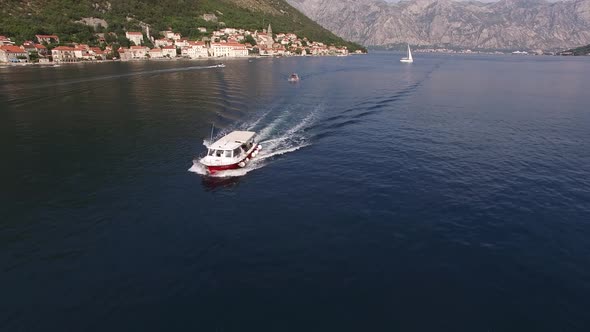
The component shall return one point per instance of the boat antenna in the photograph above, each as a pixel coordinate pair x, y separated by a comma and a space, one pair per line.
212, 128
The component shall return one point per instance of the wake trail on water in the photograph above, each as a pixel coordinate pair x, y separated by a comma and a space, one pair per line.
279, 134
285, 129
368, 107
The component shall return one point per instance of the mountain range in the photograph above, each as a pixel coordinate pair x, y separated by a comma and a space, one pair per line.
502, 25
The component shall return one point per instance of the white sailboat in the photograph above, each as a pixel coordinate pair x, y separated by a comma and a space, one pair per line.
408, 59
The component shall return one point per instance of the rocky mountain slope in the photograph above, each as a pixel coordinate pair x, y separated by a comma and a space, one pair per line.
506, 24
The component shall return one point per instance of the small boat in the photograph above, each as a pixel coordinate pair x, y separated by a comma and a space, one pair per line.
293, 78
232, 151
407, 59
221, 65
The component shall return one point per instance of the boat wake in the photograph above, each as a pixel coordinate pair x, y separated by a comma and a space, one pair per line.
278, 135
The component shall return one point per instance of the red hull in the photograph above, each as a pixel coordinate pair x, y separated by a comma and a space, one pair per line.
213, 169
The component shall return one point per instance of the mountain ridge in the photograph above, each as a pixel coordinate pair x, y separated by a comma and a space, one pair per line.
502, 25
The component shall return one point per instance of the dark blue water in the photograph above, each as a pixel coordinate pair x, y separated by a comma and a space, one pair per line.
448, 195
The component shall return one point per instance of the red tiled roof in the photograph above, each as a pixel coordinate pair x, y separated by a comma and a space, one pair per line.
138, 47
63, 48
12, 49
39, 46
169, 47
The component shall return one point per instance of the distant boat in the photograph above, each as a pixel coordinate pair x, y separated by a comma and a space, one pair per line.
409, 58
293, 78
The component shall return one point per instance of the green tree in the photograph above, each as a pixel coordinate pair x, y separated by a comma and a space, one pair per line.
34, 56
147, 42
123, 41
249, 39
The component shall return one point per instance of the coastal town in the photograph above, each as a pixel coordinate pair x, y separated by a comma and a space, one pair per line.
221, 43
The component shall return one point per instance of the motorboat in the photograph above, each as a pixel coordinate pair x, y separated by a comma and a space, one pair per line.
232, 151
409, 58
221, 65
294, 78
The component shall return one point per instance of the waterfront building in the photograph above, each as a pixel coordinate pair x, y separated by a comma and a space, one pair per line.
11, 53
139, 52
169, 51
156, 53
195, 50
125, 54
228, 50
63, 54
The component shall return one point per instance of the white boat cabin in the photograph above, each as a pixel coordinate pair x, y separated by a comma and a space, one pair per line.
233, 147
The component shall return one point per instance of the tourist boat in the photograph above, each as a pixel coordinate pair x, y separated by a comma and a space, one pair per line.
407, 59
294, 78
232, 151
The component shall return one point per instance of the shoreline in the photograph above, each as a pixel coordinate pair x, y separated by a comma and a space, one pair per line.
217, 59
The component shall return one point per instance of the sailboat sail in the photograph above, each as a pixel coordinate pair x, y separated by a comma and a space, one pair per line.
409, 59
